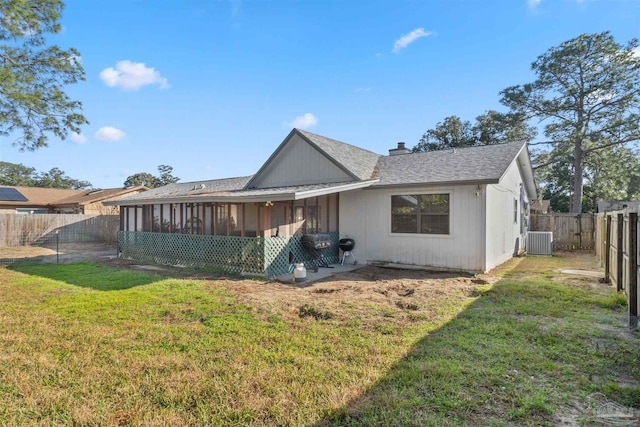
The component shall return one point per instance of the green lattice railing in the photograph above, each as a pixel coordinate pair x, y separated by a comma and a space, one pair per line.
270, 256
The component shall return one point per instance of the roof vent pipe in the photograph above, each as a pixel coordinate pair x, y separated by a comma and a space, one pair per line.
400, 150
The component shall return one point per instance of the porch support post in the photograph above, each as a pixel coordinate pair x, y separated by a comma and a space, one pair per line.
258, 220
328, 210
243, 219
304, 217
338, 212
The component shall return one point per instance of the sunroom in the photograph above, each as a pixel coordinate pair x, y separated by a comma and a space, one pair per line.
210, 223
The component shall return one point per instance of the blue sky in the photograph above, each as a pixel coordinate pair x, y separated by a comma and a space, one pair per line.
212, 87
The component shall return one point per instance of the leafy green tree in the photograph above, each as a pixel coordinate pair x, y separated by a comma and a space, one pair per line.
166, 176
24, 176
494, 127
451, 132
33, 105
56, 178
16, 174
491, 127
588, 91
148, 180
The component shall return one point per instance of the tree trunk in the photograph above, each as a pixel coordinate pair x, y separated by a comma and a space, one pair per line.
578, 161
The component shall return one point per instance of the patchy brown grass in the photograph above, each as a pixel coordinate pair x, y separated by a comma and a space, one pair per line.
90, 344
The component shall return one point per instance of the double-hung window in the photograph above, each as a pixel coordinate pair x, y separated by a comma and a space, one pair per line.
420, 213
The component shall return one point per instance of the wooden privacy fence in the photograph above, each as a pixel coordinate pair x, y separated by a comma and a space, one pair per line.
40, 229
617, 248
570, 231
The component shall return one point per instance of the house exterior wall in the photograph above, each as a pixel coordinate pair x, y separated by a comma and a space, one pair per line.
505, 234
298, 163
365, 215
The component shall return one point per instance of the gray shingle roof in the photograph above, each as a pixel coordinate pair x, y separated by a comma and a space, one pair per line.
196, 188
192, 192
475, 164
358, 161
485, 163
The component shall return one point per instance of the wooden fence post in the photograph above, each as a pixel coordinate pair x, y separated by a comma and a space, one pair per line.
607, 251
620, 252
633, 270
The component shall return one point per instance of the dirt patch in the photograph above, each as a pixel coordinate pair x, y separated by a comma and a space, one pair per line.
363, 295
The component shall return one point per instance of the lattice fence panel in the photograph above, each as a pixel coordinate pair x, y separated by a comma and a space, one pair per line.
281, 252
231, 253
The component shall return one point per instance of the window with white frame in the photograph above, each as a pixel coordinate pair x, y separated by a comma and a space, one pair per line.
420, 213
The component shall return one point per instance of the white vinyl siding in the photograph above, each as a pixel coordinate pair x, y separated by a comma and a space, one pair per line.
365, 216
505, 205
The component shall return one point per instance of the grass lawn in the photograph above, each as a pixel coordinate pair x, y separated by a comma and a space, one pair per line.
89, 344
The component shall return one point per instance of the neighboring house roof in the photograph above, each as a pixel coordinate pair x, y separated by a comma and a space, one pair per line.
541, 205
482, 165
39, 197
608, 206
93, 196
56, 197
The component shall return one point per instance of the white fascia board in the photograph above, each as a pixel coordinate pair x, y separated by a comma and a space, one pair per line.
337, 189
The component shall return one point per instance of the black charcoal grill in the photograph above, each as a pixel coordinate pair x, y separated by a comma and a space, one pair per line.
346, 246
313, 243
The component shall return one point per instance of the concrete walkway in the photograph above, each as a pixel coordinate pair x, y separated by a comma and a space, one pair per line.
322, 273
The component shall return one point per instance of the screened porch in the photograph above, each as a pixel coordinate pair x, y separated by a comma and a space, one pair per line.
261, 238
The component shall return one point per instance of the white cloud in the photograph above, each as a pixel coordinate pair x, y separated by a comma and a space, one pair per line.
236, 6
109, 133
533, 4
304, 121
132, 76
407, 39
636, 52
78, 138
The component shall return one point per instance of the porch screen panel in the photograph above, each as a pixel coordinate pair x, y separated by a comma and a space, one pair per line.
312, 217
166, 218
298, 217
322, 214
332, 200
155, 224
207, 218
250, 220
222, 216
235, 219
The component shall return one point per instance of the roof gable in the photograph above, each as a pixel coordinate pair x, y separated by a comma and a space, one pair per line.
306, 158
